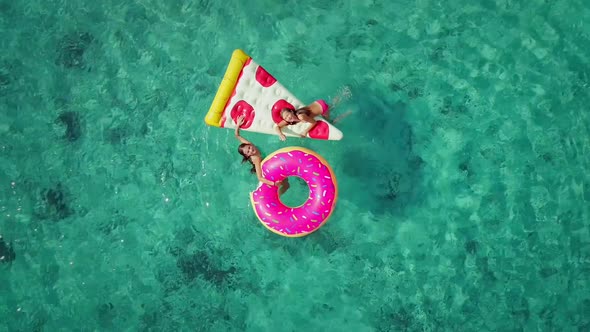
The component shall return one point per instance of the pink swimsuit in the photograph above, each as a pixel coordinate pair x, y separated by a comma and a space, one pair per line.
323, 104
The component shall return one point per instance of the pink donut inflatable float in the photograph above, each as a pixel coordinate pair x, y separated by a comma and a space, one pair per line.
315, 211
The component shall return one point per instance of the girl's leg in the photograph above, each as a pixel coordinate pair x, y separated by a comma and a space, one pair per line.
341, 116
343, 94
325, 108
284, 186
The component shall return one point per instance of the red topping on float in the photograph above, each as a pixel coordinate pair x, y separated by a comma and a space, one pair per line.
277, 107
320, 131
243, 108
264, 78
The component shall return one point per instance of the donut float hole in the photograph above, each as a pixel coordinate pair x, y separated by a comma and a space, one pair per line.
297, 194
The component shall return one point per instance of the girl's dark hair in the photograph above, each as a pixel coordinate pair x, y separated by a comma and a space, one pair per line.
305, 110
241, 151
302, 110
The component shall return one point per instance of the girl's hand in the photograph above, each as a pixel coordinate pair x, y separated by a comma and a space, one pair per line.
282, 137
240, 120
277, 183
304, 135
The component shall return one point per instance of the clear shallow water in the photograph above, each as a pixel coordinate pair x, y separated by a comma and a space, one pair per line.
464, 201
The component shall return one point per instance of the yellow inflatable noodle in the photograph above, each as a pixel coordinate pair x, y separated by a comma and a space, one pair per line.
230, 79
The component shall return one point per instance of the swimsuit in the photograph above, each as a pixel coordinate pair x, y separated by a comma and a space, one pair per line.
322, 104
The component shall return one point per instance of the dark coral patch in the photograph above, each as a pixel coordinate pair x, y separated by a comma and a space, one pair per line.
199, 265
54, 204
7, 254
71, 120
71, 49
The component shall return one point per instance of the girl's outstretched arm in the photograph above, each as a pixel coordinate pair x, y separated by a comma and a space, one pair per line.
256, 161
239, 122
279, 130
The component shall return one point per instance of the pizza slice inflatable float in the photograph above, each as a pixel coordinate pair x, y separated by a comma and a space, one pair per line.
248, 89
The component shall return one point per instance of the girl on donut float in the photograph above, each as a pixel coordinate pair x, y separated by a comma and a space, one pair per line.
251, 153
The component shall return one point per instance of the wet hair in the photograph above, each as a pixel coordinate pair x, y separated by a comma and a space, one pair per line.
302, 110
245, 158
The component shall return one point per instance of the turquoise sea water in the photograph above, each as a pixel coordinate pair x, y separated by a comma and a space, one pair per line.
464, 193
